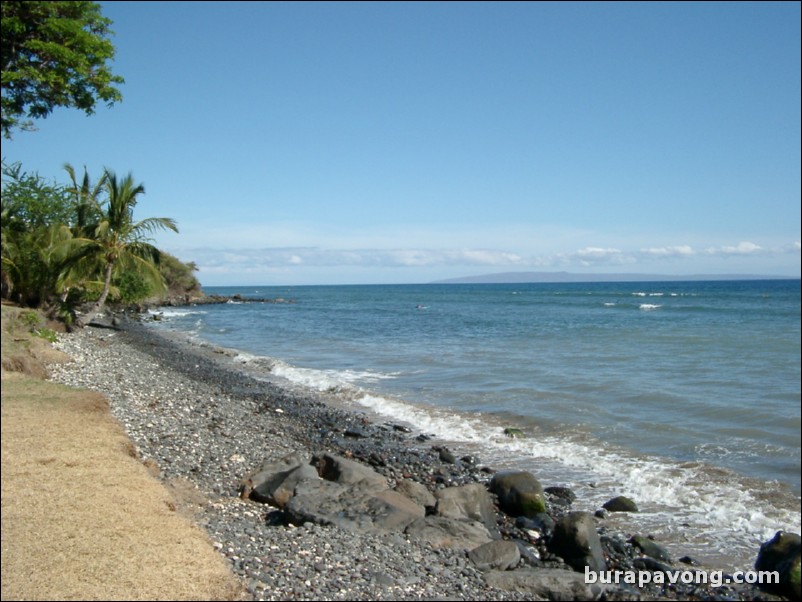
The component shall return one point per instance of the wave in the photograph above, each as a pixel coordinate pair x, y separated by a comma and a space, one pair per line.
173, 313
702, 509
712, 510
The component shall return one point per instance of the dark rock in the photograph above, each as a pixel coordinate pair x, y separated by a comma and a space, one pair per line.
352, 508
646, 563
542, 523
576, 541
561, 493
782, 554
275, 480
650, 548
519, 493
620, 504
348, 472
447, 456
356, 433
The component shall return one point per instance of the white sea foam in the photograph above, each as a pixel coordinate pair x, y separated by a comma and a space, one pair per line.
649, 306
171, 313
328, 380
669, 494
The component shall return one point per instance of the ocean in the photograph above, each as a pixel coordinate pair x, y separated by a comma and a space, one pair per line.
684, 396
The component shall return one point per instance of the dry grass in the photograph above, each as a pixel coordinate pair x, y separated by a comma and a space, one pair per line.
84, 520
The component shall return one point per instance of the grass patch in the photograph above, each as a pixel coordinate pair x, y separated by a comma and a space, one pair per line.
83, 519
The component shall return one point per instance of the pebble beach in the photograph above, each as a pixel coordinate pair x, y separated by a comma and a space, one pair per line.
203, 426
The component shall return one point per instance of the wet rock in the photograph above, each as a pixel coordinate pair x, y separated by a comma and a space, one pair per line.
543, 523
561, 495
576, 541
650, 548
447, 456
782, 554
620, 503
519, 493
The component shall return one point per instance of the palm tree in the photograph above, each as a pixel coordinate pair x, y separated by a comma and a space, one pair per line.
86, 199
117, 240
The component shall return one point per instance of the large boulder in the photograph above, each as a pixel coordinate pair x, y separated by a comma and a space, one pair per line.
351, 496
442, 532
348, 472
782, 554
416, 492
576, 541
274, 481
519, 493
471, 502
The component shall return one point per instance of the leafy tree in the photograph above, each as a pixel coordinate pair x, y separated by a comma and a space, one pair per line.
35, 239
54, 54
179, 276
85, 200
119, 241
29, 201
33, 262
130, 287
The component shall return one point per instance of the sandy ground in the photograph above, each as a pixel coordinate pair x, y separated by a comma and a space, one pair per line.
82, 519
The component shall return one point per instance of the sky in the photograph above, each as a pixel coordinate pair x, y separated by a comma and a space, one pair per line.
406, 142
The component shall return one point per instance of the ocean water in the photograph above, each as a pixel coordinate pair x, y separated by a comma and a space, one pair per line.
684, 396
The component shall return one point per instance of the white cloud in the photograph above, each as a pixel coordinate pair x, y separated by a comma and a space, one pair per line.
743, 248
678, 251
320, 264
595, 256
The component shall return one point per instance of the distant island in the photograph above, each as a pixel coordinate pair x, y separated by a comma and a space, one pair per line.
530, 277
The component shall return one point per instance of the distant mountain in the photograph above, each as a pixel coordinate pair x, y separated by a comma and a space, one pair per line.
526, 277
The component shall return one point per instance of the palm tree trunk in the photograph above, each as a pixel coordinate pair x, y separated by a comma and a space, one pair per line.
97, 306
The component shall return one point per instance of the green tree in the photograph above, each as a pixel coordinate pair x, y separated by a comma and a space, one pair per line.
54, 54
85, 200
119, 241
35, 239
179, 276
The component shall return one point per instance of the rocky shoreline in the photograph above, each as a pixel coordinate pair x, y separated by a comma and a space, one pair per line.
209, 431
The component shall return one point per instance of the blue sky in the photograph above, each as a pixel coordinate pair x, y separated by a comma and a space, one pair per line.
330, 143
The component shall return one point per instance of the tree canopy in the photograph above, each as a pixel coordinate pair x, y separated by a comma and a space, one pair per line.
54, 54
66, 245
